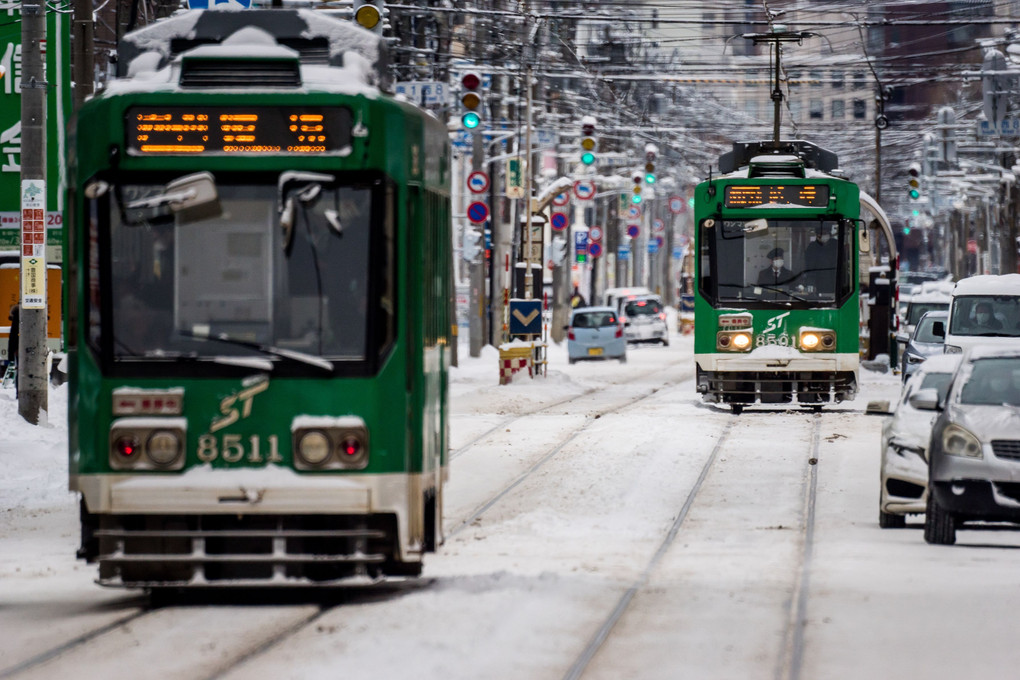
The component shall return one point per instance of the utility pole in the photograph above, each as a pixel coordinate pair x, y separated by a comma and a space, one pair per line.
32, 388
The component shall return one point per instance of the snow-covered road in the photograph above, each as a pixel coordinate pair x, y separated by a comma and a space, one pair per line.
601, 523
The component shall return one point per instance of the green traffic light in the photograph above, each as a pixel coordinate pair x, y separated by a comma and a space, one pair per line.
906, 230
588, 158
471, 120
636, 198
915, 213
650, 178
914, 193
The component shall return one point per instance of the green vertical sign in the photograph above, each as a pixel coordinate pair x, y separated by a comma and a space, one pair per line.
58, 110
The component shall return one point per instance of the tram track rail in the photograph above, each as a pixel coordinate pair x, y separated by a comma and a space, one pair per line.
560, 444
791, 654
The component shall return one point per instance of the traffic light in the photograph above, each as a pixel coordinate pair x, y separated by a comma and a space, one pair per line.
914, 170
638, 179
369, 14
471, 99
588, 142
650, 152
471, 246
558, 250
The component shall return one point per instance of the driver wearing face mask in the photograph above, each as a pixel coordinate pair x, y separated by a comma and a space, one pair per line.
984, 319
776, 273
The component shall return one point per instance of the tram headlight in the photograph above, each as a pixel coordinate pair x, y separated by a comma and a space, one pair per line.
314, 448
163, 447
817, 340
733, 341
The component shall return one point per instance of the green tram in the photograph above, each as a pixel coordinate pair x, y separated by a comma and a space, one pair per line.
776, 300
261, 309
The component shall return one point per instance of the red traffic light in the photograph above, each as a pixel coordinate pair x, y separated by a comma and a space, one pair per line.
471, 81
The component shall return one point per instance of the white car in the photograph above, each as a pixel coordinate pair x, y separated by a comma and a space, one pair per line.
644, 319
905, 434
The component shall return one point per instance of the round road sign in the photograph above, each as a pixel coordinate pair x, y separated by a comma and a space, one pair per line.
595, 233
634, 212
584, 189
595, 249
561, 199
658, 225
676, 205
478, 182
633, 230
558, 221
478, 212
659, 241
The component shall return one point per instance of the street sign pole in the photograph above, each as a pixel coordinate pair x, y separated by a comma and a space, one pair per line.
33, 397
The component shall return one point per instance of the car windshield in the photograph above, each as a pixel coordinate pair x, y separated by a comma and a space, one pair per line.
986, 315
925, 331
642, 308
993, 381
918, 309
594, 320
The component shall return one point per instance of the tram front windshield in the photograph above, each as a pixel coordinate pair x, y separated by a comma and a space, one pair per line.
790, 262
303, 267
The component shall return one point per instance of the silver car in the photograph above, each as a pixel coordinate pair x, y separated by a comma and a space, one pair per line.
926, 341
595, 333
905, 433
974, 452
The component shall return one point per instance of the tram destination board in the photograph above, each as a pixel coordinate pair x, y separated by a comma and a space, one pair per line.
803, 195
237, 130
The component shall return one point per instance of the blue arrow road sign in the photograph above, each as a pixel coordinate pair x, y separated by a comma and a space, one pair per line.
525, 317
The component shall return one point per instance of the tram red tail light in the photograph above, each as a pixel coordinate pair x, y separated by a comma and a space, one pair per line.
126, 446
334, 443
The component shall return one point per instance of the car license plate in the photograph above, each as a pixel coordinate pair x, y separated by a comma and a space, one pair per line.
594, 351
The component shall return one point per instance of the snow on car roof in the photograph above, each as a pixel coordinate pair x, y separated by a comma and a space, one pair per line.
989, 284
992, 351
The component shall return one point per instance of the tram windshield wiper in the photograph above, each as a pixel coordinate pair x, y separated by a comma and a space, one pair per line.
280, 352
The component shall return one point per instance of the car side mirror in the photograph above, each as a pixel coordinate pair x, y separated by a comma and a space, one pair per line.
925, 400
938, 329
902, 337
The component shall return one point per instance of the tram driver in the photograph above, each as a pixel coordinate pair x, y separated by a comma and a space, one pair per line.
776, 274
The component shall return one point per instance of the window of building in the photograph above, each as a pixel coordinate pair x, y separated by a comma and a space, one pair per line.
837, 80
860, 109
816, 109
838, 109
816, 78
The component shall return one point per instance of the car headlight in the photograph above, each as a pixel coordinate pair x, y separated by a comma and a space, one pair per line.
957, 441
952, 349
914, 358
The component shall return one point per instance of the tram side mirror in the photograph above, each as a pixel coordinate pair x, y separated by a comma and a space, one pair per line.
194, 198
865, 241
752, 226
190, 198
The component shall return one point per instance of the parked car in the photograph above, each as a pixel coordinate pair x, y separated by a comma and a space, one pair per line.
926, 341
595, 333
905, 433
974, 451
644, 319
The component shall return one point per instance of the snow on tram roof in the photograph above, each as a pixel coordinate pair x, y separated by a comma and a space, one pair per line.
351, 64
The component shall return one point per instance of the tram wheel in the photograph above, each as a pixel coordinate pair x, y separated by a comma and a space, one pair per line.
736, 408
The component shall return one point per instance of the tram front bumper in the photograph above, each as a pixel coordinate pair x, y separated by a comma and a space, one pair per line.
746, 378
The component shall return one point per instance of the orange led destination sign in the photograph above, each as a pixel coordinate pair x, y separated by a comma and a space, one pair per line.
236, 130
801, 195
